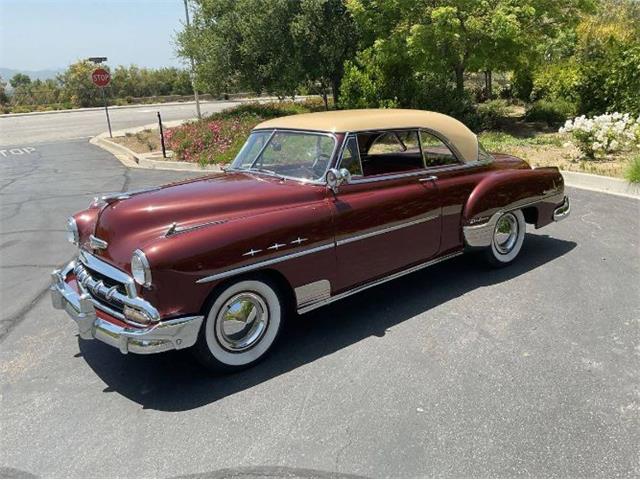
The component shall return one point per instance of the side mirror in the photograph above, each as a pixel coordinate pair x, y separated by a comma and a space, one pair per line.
335, 178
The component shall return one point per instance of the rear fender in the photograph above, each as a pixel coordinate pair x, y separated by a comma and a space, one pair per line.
536, 191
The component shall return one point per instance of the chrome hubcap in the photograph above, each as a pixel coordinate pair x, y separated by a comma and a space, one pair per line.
242, 321
506, 233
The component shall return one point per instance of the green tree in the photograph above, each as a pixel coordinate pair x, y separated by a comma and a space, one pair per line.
324, 34
458, 36
3, 95
270, 46
19, 80
77, 86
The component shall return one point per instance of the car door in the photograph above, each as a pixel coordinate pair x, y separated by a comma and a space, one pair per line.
384, 221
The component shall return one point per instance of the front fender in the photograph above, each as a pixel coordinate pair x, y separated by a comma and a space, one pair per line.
187, 266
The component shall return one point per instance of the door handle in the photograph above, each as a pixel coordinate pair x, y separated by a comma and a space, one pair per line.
431, 178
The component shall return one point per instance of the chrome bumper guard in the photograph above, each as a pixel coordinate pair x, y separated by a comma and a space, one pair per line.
156, 337
562, 211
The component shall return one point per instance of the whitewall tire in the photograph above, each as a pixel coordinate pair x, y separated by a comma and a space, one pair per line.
241, 325
506, 241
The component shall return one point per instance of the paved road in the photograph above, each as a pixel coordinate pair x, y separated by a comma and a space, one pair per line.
29, 129
532, 370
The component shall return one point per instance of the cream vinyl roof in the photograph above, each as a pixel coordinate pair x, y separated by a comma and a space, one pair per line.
341, 121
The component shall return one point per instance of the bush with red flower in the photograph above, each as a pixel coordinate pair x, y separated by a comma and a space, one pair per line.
218, 138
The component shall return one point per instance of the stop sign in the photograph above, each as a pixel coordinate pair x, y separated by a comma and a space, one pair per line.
100, 77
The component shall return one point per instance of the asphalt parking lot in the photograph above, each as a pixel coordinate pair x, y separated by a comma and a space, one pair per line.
454, 371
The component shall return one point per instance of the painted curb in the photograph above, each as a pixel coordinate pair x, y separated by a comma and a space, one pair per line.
602, 184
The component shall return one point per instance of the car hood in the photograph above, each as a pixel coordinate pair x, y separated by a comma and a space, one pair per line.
135, 222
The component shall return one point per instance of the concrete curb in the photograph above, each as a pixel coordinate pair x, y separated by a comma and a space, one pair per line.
602, 184
131, 159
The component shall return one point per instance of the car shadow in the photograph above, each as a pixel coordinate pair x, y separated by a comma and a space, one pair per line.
173, 381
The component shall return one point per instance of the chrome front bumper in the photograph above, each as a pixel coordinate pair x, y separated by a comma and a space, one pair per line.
157, 337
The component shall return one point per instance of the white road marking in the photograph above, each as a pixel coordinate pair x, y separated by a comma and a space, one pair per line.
18, 151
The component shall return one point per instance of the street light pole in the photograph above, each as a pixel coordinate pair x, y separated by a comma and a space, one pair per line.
193, 65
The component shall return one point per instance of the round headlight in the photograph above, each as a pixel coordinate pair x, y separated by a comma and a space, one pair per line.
72, 231
140, 269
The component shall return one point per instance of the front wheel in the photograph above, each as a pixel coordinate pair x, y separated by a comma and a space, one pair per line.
241, 326
507, 239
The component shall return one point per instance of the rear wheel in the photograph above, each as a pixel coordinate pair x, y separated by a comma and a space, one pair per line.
507, 239
241, 326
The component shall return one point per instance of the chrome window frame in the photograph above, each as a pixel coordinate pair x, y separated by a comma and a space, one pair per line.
461, 165
347, 136
320, 181
452, 149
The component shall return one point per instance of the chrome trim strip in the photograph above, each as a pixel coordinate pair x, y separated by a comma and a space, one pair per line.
265, 263
377, 282
356, 238
312, 292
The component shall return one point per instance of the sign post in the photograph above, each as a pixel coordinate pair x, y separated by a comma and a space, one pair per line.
101, 78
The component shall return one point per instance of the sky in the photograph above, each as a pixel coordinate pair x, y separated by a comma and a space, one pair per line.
51, 34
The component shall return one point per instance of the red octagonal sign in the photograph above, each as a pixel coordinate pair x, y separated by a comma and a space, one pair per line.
100, 77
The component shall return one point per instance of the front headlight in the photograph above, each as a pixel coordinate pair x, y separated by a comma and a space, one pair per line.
140, 269
72, 231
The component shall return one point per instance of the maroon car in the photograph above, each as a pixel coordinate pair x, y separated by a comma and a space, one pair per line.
315, 207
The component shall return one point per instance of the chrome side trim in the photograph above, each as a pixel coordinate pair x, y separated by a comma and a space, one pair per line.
175, 229
265, 263
312, 293
563, 210
377, 282
357, 238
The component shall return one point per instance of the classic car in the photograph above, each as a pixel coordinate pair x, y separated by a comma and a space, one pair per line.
314, 208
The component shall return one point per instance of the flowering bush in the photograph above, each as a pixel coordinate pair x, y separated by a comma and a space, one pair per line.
210, 140
218, 138
604, 134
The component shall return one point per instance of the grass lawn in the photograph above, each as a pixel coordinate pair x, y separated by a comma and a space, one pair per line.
542, 147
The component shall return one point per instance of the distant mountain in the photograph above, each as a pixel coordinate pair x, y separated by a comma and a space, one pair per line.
7, 73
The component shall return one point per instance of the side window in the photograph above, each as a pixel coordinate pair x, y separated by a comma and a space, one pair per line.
395, 142
390, 152
435, 152
351, 157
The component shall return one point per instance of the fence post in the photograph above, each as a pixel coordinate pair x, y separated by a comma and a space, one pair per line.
164, 150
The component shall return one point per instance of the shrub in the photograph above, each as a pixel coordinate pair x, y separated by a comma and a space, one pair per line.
552, 112
604, 134
219, 137
633, 170
491, 114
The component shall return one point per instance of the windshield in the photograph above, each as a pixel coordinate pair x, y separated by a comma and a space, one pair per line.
300, 155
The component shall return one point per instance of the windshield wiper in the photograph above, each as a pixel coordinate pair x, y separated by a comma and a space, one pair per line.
266, 170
